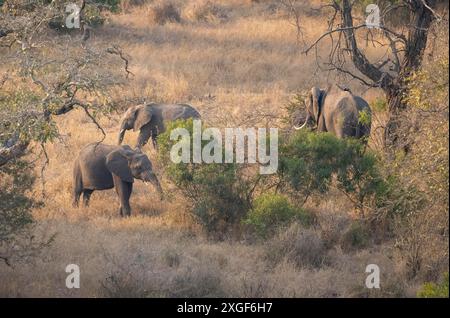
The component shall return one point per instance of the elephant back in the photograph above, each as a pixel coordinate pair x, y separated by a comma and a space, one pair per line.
170, 112
92, 164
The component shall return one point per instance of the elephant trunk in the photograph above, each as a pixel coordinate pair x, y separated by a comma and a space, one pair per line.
154, 181
304, 124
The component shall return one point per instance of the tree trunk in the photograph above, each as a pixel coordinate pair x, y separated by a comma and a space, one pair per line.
395, 130
394, 137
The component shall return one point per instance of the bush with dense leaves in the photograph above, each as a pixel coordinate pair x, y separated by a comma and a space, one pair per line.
309, 162
219, 194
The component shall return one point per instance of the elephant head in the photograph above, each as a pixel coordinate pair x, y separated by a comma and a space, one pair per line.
128, 164
313, 107
134, 118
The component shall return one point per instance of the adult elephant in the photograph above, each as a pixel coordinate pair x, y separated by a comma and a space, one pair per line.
150, 120
101, 167
338, 111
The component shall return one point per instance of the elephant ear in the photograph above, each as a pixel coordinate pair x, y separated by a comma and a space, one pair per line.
143, 116
316, 103
117, 163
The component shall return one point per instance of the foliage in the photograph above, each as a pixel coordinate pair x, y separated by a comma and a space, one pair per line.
295, 108
309, 161
432, 290
26, 124
16, 221
364, 117
273, 211
420, 192
428, 98
218, 193
15, 208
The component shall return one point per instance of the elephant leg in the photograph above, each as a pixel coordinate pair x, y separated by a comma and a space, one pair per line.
321, 127
123, 190
87, 196
76, 197
77, 186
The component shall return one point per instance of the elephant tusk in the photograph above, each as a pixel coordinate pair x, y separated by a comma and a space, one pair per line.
302, 126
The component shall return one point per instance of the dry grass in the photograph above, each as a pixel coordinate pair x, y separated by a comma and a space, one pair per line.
247, 64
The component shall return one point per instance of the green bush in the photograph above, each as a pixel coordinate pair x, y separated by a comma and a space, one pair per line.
432, 290
272, 211
309, 161
219, 194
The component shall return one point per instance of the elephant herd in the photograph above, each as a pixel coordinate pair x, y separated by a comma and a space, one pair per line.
100, 166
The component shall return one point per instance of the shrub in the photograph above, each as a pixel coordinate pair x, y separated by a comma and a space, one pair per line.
272, 211
356, 237
204, 11
219, 194
17, 240
163, 12
432, 290
309, 161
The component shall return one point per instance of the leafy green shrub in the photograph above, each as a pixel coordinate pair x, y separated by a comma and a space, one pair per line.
356, 237
309, 161
219, 194
16, 220
432, 290
272, 211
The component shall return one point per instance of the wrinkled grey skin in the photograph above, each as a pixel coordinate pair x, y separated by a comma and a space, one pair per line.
336, 111
101, 167
150, 120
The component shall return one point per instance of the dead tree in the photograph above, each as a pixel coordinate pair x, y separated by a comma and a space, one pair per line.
405, 49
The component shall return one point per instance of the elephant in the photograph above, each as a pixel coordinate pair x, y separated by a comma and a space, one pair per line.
150, 120
339, 112
100, 167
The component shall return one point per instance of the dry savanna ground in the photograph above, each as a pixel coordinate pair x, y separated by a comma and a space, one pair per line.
239, 64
